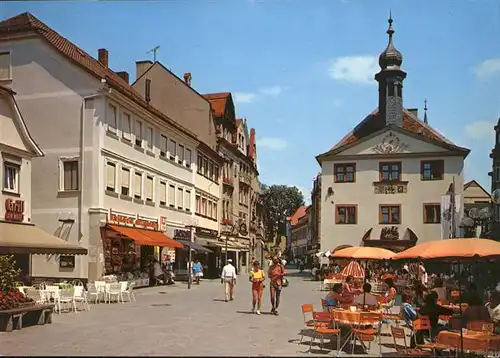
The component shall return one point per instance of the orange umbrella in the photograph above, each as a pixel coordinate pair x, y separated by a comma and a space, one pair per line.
363, 253
353, 269
452, 250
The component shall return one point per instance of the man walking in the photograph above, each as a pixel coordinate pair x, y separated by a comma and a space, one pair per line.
276, 274
197, 271
228, 278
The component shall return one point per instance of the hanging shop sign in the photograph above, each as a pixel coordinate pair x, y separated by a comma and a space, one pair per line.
182, 234
207, 232
14, 210
139, 221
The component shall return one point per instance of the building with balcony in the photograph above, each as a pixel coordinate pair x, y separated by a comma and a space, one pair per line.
114, 166
190, 109
241, 202
383, 183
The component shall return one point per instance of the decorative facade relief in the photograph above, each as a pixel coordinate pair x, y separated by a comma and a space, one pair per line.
390, 188
390, 144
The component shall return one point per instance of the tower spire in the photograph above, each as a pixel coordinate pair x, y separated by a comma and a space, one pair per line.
425, 112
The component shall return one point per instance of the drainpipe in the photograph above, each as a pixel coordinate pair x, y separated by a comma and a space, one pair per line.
100, 92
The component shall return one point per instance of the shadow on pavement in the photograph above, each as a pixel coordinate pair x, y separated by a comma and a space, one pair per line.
219, 300
250, 312
161, 305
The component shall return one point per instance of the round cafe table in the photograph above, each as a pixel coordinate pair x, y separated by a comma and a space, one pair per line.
452, 339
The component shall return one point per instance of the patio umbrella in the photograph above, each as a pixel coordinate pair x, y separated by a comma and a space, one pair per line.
363, 253
453, 250
353, 269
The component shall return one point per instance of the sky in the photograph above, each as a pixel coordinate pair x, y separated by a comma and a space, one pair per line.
301, 72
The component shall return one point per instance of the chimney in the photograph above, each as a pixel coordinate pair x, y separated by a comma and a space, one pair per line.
103, 56
147, 93
413, 111
123, 75
141, 67
187, 78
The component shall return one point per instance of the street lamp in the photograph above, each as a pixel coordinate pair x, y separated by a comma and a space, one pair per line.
190, 223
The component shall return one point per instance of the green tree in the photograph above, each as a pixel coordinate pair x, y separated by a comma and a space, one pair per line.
280, 202
8, 272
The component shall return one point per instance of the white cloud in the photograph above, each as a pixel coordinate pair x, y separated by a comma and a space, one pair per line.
306, 192
338, 102
244, 97
271, 91
487, 68
479, 130
272, 143
354, 69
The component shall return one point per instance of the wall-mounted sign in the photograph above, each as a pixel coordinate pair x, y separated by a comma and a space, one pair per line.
136, 221
182, 234
67, 261
14, 210
208, 232
243, 229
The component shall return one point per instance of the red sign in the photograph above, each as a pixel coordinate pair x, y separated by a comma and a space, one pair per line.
14, 210
132, 221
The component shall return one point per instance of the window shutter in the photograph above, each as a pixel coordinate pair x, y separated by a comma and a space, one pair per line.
138, 184
163, 198
187, 200
179, 197
149, 188
125, 178
171, 195
111, 175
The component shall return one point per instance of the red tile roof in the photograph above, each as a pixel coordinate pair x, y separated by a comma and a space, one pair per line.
218, 102
412, 124
26, 22
300, 212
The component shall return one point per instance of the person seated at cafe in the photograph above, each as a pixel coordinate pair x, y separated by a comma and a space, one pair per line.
432, 310
475, 310
348, 290
439, 289
494, 308
366, 298
419, 291
408, 312
334, 298
391, 292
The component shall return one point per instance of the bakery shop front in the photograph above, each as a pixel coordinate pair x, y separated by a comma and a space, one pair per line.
131, 242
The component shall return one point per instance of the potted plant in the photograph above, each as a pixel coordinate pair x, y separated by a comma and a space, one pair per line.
10, 296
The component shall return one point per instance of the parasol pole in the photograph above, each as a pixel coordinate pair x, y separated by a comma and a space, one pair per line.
460, 310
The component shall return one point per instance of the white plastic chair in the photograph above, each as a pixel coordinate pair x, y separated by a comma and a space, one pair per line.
68, 297
80, 296
92, 291
101, 289
35, 295
129, 292
115, 291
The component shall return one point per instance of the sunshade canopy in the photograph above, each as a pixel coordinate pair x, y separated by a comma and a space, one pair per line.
353, 269
452, 250
18, 238
363, 253
146, 237
195, 246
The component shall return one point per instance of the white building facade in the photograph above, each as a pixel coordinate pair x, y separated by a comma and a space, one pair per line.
109, 156
383, 183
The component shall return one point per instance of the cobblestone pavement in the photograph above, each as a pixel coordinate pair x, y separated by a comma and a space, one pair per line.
172, 320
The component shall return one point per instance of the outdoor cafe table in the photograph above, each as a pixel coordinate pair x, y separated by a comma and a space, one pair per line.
352, 319
452, 339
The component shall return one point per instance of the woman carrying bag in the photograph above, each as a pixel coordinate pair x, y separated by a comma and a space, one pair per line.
257, 278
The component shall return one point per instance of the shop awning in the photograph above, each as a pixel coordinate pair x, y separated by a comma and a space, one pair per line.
28, 239
146, 237
195, 246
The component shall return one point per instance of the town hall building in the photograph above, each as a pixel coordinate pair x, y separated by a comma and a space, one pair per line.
383, 183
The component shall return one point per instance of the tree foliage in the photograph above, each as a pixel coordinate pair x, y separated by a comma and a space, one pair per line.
8, 272
280, 202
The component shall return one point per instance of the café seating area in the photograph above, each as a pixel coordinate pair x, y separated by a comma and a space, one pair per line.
74, 297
